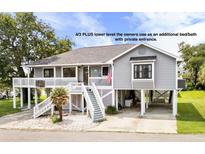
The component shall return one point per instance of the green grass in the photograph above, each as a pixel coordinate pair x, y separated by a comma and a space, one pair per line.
6, 107
191, 112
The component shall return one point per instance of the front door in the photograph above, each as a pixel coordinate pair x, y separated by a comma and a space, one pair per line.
85, 75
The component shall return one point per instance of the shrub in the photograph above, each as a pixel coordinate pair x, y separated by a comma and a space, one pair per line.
55, 119
111, 110
189, 86
199, 86
179, 95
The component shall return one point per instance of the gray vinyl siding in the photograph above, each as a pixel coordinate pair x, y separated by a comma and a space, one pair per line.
58, 72
80, 74
142, 84
164, 72
38, 72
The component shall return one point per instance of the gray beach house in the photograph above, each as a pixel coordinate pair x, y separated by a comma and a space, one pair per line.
123, 75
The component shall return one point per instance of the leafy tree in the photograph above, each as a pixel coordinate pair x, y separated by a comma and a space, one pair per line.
194, 57
59, 96
202, 75
25, 38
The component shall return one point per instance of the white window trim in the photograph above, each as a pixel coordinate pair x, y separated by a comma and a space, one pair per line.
140, 63
76, 72
54, 73
102, 71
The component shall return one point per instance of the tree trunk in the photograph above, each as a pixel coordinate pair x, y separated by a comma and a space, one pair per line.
60, 113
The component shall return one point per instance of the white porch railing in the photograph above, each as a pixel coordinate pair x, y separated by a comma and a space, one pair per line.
75, 87
49, 82
99, 99
42, 107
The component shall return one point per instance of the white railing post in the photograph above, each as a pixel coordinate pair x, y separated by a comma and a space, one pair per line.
14, 96
21, 97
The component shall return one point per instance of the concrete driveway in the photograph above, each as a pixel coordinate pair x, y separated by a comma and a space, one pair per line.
156, 120
129, 120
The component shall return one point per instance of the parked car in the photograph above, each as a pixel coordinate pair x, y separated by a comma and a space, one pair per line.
2, 95
11, 94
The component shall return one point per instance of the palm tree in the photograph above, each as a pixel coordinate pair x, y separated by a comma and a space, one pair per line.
59, 96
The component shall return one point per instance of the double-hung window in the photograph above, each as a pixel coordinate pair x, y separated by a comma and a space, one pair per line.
48, 72
142, 71
69, 72
105, 70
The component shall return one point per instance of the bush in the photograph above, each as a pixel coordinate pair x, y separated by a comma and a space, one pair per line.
111, 110
179, 95
55, 119
199, 86
189, 86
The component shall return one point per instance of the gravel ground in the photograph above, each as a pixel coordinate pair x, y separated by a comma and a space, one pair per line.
70, 122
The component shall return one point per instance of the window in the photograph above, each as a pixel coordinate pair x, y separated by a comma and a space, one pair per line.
48, 73
69, 72
143, 71
95, 71
105, 71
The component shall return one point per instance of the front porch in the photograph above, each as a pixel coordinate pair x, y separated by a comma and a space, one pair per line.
69, 76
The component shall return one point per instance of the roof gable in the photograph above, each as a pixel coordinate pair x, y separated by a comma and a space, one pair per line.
147, 45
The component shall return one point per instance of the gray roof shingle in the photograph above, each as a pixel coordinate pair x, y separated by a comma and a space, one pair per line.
97, 54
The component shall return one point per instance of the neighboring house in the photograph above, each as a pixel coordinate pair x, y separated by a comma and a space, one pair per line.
100, 76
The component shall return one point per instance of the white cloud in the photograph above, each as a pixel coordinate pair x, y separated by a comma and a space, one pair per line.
169, 22
77, 22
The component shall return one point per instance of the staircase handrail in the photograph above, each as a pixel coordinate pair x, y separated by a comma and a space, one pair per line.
99, 100
41, 105
88, 100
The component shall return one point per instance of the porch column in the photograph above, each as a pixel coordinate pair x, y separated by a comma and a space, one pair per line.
14, 97
174, 103
21, 97
29, 98
116, 100
54, 75
36, 96
82, 103
70, 104
147, 98
121, 97
142, 103
113, 97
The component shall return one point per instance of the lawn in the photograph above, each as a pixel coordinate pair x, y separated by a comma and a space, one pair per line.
191, 112
6, 105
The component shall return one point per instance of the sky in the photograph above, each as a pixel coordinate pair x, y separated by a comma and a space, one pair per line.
68, 24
